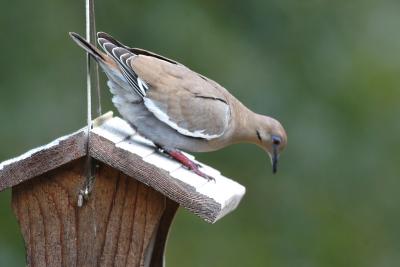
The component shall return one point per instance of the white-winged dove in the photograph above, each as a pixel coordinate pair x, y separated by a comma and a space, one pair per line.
177, 108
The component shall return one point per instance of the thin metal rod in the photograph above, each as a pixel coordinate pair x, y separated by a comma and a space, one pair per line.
91, 32
90, 37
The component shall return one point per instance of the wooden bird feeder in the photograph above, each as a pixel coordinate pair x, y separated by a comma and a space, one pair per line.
126, 220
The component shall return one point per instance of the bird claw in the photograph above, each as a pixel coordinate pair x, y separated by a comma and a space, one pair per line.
202, 174
195, 168
198, 165
186, 162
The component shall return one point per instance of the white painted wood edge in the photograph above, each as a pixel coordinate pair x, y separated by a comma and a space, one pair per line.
224, 192
36, 150
96, 122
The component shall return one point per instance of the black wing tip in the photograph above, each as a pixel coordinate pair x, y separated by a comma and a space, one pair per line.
85, 45
102, 35
109, 38
75, 36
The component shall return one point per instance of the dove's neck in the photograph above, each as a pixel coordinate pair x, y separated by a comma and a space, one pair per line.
246, 125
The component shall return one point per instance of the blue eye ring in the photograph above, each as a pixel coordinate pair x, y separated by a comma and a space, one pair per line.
276, 140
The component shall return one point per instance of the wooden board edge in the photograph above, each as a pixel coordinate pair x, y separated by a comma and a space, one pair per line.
133, 165
42, 159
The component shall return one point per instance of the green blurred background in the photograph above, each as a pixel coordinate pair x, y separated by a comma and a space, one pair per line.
328, 70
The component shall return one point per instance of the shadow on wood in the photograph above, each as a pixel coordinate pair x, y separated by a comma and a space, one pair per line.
119, 225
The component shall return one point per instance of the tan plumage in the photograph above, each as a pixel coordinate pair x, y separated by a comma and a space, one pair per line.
176, 107
199, 100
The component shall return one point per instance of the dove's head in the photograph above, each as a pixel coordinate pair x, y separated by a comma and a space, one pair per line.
271, 136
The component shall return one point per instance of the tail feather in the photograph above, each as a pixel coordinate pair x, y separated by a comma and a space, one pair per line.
104, 38
91, 49
110, 39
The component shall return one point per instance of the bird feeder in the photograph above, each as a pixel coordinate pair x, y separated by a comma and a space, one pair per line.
125, 221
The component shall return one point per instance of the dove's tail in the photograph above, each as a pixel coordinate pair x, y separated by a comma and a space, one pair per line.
91, 49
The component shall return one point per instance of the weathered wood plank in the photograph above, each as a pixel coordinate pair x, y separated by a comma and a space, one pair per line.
42, 159
158, 258
116, 144
48, 157
118, 225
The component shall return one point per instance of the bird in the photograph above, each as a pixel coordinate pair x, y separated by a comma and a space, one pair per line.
177, 108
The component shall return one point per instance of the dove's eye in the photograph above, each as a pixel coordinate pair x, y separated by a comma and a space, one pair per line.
276, 140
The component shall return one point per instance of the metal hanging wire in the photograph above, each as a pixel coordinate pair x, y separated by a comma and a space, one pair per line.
91, 38
92, 80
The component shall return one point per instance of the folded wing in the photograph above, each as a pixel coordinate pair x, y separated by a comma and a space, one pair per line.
184, 100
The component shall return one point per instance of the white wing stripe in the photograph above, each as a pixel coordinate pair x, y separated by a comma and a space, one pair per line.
142, 85
164, 118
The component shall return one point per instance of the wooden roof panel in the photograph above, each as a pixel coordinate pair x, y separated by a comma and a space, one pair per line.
115, 143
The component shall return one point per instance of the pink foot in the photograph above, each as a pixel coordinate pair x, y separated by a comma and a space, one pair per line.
185, 161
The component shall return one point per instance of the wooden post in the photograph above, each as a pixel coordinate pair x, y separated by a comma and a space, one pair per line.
119, 226
127, 218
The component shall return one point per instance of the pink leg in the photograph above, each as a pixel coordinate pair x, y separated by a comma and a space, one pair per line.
185, 161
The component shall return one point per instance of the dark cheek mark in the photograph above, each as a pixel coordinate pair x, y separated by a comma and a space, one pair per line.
258, 135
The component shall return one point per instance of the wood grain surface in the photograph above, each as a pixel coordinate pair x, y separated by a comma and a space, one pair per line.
42, 159
114, 142
118, 226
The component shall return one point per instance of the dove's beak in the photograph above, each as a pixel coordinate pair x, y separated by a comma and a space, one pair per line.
274, 158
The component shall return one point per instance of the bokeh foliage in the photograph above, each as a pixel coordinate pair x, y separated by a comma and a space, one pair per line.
328, 70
